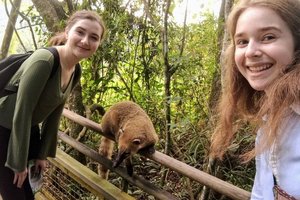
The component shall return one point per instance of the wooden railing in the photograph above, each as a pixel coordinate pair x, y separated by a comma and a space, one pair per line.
134, 180
72, 169
199, 176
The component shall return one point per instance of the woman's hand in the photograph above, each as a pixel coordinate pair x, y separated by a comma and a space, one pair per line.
20, 177
40, 165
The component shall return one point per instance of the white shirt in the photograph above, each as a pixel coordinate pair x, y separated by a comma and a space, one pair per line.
288, 164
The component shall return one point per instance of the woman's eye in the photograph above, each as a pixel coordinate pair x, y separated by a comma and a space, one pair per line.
241, 42
268, 37
80, 32
94, 38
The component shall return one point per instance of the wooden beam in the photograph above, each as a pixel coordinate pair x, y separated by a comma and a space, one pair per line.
197, 175
87, 178
85, 122
44, 195
213, 182
121, 171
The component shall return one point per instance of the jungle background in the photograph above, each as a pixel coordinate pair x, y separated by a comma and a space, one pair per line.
171, 69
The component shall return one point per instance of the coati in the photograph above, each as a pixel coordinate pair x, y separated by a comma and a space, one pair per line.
133, 131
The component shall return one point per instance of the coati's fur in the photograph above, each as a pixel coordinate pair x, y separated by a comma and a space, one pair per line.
133, 131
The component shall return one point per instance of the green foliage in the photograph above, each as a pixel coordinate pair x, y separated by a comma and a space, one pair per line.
130, 65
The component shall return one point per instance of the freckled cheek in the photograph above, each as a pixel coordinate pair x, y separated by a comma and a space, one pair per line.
288, 59
95, 46
238, 58
283, 56
75, 38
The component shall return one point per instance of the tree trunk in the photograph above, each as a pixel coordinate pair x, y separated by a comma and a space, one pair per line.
9, 30
222, 44
75, 104
167, 85
217, 84
52, 13
168, 76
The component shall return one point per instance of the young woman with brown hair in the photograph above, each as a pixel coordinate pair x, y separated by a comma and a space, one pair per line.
262, 84
40, 101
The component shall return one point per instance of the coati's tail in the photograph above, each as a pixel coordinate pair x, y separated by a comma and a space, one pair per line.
105, 149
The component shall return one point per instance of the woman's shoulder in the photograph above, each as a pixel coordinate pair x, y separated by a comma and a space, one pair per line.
42, 57
42, 54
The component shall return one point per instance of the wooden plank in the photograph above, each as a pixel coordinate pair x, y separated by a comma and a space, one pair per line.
40, 196
44, 195
88, 178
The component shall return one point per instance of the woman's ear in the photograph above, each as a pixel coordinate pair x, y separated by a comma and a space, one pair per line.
66, 33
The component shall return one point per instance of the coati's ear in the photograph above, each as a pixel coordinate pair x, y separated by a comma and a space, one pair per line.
121, 130
136, 141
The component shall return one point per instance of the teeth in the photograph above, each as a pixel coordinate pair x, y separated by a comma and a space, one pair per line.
259, 68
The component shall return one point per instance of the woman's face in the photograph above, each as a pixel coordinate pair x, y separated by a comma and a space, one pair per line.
84, 37
263, 46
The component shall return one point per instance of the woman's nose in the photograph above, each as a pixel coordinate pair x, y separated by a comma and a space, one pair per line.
85, 40
253, 49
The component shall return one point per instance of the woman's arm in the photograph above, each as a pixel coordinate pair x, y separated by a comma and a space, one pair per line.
49, 134
32, 82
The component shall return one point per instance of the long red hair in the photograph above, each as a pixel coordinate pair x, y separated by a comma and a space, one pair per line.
240, 101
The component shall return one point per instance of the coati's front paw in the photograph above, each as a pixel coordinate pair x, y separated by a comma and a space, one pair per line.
128, 164
115, 164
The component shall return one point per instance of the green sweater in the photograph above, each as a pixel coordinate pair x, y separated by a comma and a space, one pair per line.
39, 100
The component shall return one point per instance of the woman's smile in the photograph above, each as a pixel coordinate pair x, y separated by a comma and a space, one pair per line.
259, 55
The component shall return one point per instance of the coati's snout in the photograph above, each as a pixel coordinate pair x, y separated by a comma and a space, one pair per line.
126, 149
120, 157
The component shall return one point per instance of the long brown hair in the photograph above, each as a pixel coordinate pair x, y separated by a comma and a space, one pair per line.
240, 101
60, 39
